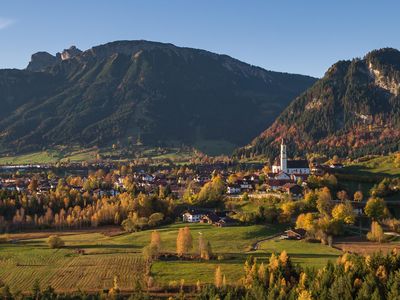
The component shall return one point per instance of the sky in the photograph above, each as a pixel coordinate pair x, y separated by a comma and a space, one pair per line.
295, 36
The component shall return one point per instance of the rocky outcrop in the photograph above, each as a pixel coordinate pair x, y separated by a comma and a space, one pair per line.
40, 61
70, 53
387, 83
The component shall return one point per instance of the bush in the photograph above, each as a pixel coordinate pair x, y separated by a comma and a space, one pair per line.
54, 242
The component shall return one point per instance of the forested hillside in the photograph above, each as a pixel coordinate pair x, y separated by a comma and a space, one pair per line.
353, 110
137, 91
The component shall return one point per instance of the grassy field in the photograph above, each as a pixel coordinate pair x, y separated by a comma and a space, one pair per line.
42, 157
50, 157
75, 154
28, 258
307, 254
381, 166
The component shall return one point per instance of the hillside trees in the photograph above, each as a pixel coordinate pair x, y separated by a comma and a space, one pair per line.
212, 191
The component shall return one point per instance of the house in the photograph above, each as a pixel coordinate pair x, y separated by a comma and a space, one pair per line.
233, 189
294, 234
220, 219
244, 185
293, 189
226, 222
282, 176
210, 218
275, 184
192, 216
336, 166
147, 178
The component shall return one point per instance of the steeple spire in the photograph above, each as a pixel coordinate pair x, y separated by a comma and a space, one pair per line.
283, 157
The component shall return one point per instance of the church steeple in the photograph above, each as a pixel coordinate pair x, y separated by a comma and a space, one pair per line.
283, 156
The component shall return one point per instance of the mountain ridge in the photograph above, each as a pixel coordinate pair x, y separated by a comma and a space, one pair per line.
121, 91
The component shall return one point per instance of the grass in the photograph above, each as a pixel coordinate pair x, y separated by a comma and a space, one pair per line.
76, 154
381, 166
42, 157
50, 156
106, 256
307, 254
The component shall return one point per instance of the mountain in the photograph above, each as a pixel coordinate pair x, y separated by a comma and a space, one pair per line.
126, 91
353, 110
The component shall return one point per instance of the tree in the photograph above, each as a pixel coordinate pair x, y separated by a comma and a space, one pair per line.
54, 242
335, 159
115, 289
206, 252
5, 293
342, 195
33, 185
288, 209
232, 179
305, 221
212, 191
218, 277
155, 240
397, 160
156, 219
344, 212
324, 201
304, 295
310, 198
376, 234
358, 196
184, 241
36, 290
375, 208
152, 251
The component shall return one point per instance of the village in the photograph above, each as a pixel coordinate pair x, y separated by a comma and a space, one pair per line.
287, 180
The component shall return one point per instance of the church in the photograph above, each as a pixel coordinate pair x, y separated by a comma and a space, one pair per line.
291, 167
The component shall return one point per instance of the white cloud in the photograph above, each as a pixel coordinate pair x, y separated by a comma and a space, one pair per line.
4, 23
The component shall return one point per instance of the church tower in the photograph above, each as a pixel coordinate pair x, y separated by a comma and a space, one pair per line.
283, 157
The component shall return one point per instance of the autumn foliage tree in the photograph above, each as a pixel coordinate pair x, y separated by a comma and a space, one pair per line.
184, 241
376, 234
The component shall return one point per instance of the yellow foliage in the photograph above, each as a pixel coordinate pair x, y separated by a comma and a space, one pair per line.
304, 295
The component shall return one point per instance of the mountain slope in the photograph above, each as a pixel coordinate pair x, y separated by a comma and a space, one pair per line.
353, 110
129, 90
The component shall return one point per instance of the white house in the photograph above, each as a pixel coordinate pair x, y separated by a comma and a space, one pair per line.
233, 189
192, 216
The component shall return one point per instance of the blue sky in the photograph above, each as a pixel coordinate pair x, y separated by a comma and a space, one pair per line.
284, 35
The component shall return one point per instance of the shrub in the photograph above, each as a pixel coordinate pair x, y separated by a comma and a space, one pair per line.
54, 242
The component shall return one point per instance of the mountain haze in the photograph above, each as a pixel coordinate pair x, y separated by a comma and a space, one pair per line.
126, 91
353, 110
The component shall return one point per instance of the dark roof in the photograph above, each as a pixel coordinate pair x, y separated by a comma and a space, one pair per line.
299, 231
297, 164
213, 217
